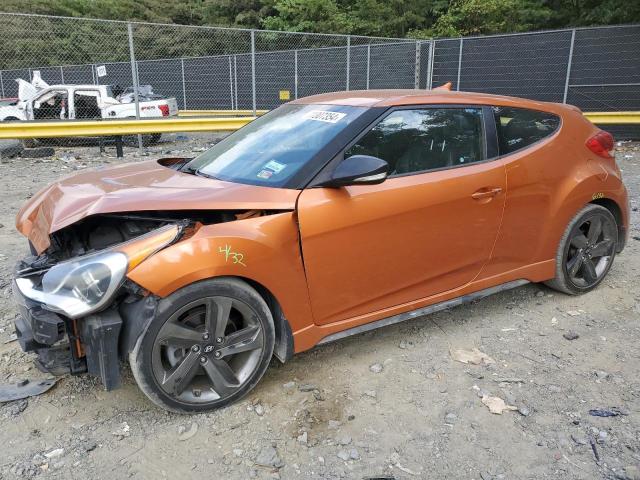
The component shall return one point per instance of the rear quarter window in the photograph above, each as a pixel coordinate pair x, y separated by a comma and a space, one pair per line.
518, 128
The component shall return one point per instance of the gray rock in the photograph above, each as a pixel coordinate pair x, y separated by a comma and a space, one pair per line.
376, 368
579, 440
450, 418
354, 454
343, 455
524, 410
289, 385
343, 440
571, 335
602, 436
268, 457
308, 387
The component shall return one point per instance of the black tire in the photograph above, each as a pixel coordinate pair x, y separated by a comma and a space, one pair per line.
160, 345
584, 255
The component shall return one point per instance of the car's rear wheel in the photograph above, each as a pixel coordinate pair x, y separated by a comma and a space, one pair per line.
586, 251
209, 345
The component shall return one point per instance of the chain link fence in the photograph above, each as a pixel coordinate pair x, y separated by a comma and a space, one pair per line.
206, 68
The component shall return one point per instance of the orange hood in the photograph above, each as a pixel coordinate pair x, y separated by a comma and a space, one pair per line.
138, 187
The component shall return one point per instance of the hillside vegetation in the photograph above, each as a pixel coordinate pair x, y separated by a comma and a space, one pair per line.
393, 18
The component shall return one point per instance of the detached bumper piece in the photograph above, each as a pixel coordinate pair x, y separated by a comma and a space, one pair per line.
99, 335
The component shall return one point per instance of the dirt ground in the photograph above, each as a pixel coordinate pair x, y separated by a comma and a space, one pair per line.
386, 404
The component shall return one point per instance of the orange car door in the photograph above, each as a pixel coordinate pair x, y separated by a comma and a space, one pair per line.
430, 227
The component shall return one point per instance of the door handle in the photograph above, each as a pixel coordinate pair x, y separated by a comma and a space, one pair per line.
486, 193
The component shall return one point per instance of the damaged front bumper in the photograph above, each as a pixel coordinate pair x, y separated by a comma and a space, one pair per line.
64, 345
95, 344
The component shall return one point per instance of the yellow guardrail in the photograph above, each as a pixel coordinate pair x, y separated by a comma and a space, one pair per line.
613, 118
196, 123
228, 113
57, 129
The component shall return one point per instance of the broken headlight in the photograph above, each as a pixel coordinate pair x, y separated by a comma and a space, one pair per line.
80, 286
86, 284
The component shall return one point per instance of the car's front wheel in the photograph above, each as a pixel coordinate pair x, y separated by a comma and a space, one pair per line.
586, 251
209, 345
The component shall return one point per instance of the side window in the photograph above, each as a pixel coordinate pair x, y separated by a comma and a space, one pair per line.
518, 127
425, 139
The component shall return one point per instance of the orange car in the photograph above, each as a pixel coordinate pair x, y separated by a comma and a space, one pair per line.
329, 216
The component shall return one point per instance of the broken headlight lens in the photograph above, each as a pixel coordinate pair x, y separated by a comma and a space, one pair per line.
80, 286
86, 284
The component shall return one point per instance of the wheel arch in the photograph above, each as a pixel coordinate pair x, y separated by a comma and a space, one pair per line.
616, 211
283, 348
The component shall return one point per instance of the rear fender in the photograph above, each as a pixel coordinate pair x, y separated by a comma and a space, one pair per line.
591, 182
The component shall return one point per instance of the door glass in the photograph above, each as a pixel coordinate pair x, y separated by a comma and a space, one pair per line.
518, 127
425, 139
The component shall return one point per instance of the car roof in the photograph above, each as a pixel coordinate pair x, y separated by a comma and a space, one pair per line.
392, 98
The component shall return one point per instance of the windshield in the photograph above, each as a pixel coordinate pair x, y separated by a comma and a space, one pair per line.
274, 147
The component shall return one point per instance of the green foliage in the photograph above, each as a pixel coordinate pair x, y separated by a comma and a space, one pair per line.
392, 18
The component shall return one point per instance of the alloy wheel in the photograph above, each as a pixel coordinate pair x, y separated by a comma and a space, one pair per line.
590, 251
206, 350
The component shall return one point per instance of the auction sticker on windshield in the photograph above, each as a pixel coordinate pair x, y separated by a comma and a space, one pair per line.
324, 116
275, 166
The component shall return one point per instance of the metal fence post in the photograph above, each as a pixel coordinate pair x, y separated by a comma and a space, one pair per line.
416, 82
1, 85
295, 74
61, 75
432, 50
235, 78
459, 64
566, 82
184, 87
348, 60
134, 75
253, 71
231, 81
368, 63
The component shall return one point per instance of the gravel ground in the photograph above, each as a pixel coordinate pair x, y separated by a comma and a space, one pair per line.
387, 404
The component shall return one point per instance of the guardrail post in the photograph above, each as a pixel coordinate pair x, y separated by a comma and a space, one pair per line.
569, 62
184, 87
459, 64
134, 75
253, 71
348, 61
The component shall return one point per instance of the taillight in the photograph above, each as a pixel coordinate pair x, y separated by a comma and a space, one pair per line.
601, 144
164, 109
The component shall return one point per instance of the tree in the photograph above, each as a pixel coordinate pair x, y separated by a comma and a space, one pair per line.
477, 17
320, 16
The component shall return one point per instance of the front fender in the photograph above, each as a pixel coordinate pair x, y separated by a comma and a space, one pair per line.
263, 249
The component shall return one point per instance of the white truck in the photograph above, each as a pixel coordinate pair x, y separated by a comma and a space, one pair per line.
38, 100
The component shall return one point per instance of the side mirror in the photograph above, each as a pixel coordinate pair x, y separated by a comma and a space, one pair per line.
358, 170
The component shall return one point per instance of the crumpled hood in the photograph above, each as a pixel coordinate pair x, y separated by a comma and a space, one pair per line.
138, 187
